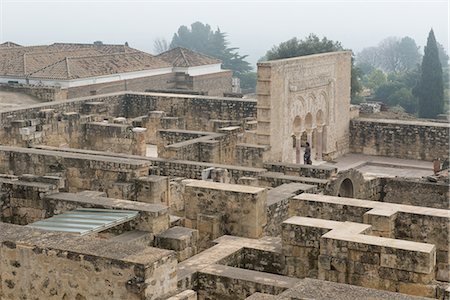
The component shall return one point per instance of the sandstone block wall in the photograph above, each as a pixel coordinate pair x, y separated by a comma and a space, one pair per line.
22, 202
403, 139
153, 218
197, 111
216, 209
120, 138
40, 92
42, 265
83, 171
222, 282
321, 172
415, 192
180, 239
405, 222
345, 253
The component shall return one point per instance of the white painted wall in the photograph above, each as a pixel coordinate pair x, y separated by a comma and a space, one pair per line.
200, 70
192, 71
90, 80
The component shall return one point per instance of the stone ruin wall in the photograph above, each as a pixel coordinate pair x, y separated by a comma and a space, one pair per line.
402, 139
86, 269
43, 93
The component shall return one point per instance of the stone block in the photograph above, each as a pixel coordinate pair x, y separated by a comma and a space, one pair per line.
180, 239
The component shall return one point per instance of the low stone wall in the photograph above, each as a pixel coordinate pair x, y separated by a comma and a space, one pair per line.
405, 222
215, 209
321, 172
120, 138
103, 269
153, 218
228, 283
338, 252
197, 111
274, 179
250, 155
83, 171
278, 200
43, 93
416, 192
22, 202
403, 139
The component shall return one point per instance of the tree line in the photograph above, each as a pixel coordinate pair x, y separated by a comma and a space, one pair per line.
393, 72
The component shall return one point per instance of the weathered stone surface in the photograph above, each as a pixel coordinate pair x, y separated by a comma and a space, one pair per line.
396, 138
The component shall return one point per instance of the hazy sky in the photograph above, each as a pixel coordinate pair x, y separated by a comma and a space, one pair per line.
253, 26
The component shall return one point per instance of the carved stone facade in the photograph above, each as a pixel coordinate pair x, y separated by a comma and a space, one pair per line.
309, 94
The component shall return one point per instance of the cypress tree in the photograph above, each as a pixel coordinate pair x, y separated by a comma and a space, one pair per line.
430, 88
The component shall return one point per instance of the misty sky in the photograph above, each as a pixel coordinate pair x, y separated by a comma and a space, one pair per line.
253, 26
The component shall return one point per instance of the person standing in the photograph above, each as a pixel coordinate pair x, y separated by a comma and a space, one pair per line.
307, 155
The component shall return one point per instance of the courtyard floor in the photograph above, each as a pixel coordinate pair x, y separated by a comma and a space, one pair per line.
383, 166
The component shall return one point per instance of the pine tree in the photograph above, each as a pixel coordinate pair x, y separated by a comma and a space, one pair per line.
430, 88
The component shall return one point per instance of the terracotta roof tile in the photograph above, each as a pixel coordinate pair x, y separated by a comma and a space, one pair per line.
91, 66
182, 57
69, 61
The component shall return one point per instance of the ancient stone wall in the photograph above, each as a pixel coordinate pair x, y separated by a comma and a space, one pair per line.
403, 139
251, 155
42, 265
346, 253
322, 172
415, 192
22, 201
197, 111
83, 171
120, 138
43, 93
405, 222
215, 209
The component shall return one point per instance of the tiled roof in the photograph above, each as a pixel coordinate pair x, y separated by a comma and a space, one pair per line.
9, 45
182, 57
91, 66
69, 61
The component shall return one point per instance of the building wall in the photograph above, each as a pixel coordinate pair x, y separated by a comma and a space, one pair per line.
403, 139
162, 81
215, 84
289, 90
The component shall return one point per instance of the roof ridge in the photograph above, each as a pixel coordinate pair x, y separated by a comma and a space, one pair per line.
48, 66
57, 51
24, 64
107, 54
200, 53
67, 67
184, 56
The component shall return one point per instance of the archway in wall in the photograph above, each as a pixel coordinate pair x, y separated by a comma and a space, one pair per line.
346, 188
308, 121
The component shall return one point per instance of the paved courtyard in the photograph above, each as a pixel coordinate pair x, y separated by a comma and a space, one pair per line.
383, 166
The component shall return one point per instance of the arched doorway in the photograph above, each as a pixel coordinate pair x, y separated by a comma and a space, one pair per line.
346, 188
